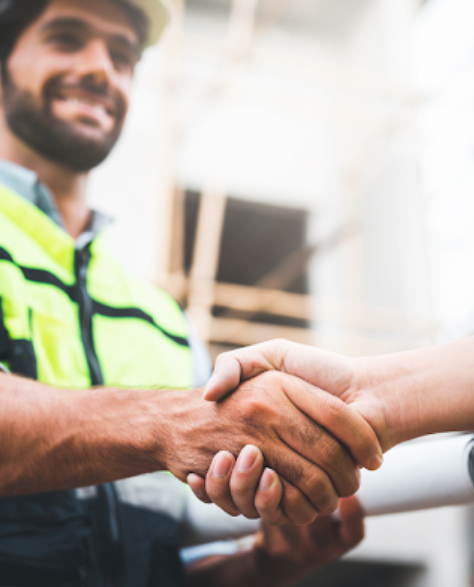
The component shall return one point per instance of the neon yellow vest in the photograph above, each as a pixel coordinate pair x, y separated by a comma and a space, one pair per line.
74, 318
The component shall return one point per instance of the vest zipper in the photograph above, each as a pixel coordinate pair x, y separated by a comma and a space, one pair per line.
85, 304
84, 301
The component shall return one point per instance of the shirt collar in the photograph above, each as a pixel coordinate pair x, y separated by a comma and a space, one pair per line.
26, 184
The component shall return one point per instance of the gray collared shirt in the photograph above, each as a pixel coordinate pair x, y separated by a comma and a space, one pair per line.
25, 183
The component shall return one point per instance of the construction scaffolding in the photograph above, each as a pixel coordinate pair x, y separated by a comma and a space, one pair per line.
351, 324
298, 172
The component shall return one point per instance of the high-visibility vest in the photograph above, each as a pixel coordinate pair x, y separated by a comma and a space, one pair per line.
73, 318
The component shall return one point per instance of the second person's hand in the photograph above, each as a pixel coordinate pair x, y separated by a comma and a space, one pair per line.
345, 380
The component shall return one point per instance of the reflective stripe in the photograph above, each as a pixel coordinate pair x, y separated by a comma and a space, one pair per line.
138, 314
47, 278
37, 275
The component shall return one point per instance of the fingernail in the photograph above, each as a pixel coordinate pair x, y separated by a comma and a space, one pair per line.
208, 387
197, 492
266, 481
247, 459
222, 465
376, 462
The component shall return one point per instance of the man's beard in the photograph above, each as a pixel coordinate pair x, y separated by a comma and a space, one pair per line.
33, 121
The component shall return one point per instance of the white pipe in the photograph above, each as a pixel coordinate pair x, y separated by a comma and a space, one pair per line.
421, 475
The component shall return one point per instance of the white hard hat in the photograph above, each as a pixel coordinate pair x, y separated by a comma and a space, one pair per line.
158, 17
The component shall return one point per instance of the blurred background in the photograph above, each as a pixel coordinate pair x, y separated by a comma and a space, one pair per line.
305, 169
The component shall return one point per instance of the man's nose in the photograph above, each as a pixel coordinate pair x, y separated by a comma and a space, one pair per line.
95, 62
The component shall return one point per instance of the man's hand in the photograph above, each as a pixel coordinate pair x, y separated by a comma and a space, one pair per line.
254, 491
283, 556
315, 468
343, 378
288, 553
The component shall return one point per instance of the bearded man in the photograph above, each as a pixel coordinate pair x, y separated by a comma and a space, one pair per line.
92, 356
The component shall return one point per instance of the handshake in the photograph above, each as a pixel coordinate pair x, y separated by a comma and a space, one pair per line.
298, 423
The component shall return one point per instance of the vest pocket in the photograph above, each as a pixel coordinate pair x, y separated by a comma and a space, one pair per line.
44, 541
23, 572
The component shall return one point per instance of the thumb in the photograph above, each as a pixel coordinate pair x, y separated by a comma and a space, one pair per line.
224, 380
235, 366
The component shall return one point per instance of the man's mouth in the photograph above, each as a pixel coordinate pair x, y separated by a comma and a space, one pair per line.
88, 107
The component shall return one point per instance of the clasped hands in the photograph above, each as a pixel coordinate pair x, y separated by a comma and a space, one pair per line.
332, 425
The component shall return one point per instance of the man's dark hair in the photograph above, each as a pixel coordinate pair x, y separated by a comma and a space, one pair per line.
17, 15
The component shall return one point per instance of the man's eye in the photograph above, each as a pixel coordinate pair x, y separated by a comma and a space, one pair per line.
122, 60
66, 41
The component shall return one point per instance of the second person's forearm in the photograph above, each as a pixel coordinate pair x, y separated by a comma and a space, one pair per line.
424, 391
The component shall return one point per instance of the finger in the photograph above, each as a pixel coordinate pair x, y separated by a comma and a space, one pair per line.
322, 454
268, 499
218, 482
351, 516
233, 367
309, 479
343, 421
198, 487
296, 506
245, 479
225, 379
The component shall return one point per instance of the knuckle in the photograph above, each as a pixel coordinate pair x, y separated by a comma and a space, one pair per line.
222, 359
332, 408
332, 453
352, 484
307, 432
328, 504
341, 467
306, 518
271, 378
293, 472
253, 409
216, 491
322, 494
241, 488
215, 495
267, 505
296, 507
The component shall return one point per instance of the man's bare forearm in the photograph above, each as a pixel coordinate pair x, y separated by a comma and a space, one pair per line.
52, 439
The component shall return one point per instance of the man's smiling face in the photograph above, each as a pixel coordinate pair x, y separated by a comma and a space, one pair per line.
66, 87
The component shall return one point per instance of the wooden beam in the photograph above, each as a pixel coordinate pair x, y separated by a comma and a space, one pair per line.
206, 259
348, 315
304, 307
236, 333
